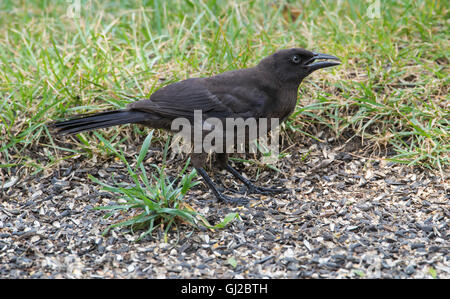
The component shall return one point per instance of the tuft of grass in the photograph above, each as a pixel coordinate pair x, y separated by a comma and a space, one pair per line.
155, 200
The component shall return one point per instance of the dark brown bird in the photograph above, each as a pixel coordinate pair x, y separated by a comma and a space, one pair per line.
267, 90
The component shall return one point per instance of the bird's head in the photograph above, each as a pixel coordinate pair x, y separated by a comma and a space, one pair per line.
293, 65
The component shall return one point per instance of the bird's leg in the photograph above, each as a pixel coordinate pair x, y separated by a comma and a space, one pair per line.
222, 162
251, 188
217, 193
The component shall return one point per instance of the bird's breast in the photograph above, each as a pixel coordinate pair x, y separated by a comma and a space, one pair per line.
285, 104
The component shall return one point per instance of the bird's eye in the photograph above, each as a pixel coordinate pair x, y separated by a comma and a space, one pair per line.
296, 59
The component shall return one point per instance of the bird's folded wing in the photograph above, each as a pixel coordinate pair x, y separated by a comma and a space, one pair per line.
181, 99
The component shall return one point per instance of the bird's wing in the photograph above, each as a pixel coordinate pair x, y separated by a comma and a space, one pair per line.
182, 98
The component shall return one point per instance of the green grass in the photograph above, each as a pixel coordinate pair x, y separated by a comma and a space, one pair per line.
391, 90
156, 201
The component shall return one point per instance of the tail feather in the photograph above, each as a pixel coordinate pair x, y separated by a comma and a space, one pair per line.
99, 120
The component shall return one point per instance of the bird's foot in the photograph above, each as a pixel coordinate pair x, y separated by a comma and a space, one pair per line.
233, 200
252, 189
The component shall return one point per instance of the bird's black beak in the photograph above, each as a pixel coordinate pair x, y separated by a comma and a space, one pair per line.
313, 66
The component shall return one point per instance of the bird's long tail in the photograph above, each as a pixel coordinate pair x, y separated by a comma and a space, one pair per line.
99, 120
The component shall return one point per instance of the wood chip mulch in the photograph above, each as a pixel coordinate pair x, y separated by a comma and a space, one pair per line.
346, 216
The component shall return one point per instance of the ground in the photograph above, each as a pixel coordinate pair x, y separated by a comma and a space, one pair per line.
345, 215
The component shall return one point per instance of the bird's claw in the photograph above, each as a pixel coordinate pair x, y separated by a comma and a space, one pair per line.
234, 200
264, 191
